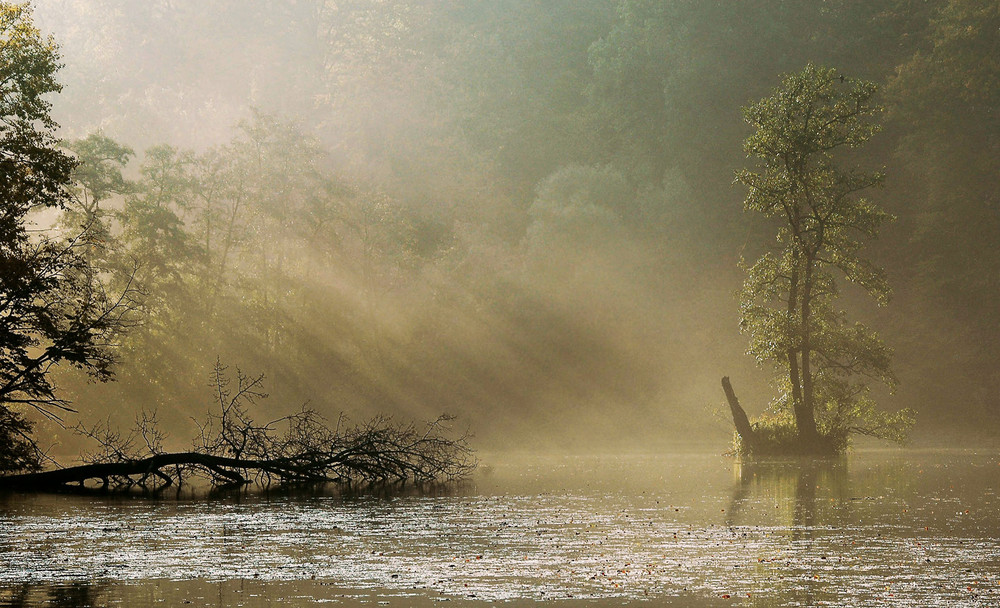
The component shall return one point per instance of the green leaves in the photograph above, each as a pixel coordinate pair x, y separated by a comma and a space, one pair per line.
99, 172
812, 113
33, 170
788, 306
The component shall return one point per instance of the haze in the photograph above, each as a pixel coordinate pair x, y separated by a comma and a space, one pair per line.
521, 213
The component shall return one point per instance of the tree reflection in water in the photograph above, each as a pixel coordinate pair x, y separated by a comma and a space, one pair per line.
76, 594
793, 489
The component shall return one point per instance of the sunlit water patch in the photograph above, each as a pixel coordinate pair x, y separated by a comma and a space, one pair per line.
900, 529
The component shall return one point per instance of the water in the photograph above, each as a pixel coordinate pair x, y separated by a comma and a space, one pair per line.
882, 529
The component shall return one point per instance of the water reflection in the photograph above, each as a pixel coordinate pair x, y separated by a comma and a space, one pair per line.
609, 529
793, 486
381, 490
75, 594
806, 495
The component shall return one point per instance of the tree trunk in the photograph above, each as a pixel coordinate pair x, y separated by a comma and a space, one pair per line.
794, 376
805, 415
54, 479
740, 419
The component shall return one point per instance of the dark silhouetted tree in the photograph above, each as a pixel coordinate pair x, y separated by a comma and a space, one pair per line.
53, 306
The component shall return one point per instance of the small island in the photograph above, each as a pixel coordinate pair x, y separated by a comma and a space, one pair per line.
789, 302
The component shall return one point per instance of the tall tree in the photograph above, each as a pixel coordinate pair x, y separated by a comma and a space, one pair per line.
53, 307
788, 305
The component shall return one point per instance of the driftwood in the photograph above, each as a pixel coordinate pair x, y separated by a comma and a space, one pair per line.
231, 449
106, 471
394, 454
740, 420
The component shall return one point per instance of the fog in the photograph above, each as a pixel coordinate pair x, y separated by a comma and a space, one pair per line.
519, 213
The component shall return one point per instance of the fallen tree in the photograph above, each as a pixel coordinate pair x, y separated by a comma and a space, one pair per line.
231, 449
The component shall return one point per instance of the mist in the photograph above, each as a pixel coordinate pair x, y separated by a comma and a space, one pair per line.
519, 213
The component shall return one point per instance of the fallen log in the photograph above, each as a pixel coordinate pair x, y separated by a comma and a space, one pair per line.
145, 467
231, 449
426, 460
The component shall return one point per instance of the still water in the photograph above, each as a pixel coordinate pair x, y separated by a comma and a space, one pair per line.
893, 528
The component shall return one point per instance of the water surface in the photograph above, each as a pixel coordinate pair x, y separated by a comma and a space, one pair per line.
883, 528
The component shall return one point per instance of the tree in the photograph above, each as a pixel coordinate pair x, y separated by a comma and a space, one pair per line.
53, 306
788, 305
98, 176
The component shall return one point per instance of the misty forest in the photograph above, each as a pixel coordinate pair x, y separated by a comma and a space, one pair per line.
480, 247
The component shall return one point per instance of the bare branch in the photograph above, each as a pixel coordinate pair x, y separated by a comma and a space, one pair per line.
230, 448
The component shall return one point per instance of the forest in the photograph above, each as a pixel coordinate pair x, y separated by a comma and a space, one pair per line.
520, 214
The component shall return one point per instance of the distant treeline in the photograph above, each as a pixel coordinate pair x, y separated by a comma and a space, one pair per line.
512, 209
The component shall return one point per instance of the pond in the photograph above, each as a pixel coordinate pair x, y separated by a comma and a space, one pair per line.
900, 528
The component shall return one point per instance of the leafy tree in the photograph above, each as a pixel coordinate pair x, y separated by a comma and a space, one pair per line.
789, 302
97, 177
98, 174
53, 307
152, 226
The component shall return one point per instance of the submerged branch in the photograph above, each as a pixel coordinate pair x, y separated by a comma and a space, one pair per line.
370, 454
232, 449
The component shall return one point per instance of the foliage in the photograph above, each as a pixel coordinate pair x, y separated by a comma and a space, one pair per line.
788, 304
776, 435
98, 174
18, 452
250, 250
55, 308
378, 252
33, 170
97, 177
944, 99
57, 312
